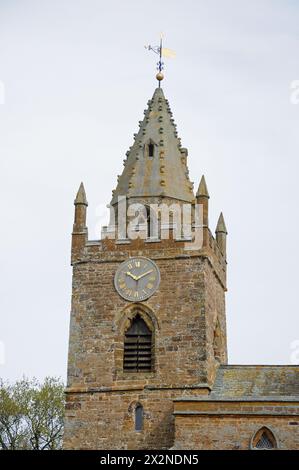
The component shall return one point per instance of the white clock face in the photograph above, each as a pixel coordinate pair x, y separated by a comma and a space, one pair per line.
137, 279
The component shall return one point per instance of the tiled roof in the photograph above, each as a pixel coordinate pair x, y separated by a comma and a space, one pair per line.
256, 381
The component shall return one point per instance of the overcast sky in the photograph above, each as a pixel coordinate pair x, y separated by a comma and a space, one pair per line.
77, 79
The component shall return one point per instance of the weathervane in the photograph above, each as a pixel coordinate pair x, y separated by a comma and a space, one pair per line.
161, 52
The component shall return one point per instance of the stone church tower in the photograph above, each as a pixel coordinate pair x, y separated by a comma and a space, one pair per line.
147, 348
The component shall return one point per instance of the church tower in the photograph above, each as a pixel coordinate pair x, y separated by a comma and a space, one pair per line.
148, 300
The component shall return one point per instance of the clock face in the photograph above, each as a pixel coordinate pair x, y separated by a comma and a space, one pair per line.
137, 279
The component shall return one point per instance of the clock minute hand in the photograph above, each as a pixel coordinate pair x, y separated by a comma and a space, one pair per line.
144, 274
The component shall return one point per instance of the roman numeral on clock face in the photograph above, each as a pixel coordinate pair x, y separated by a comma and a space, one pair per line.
137, 279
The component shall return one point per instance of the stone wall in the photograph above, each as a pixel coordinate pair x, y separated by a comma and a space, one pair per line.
105, 420
183, 315
234, 432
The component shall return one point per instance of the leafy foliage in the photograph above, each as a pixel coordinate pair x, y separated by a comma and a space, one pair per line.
31, 414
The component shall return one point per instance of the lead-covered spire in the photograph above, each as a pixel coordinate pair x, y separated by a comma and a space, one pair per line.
156, 164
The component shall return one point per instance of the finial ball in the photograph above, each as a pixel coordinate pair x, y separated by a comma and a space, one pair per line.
159, 76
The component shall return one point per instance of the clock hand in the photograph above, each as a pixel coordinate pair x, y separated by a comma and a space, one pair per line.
144, 274
132, 276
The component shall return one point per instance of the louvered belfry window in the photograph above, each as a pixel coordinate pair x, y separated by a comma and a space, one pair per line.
138, 347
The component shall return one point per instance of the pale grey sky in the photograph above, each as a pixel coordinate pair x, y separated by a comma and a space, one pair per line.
77, 79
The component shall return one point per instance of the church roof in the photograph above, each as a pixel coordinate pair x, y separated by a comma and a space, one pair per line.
156, 162
257, 381
253, 383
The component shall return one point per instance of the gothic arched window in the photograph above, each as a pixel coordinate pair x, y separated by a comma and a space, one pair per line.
138, 347
138, 417
264, 439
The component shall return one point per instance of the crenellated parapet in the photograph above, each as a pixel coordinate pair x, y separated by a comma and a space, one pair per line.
167, 245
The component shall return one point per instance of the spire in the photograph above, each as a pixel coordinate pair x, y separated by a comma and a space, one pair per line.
221, 228
202, 198
81, 196
156, 163
202, 188
80, 211
221, 234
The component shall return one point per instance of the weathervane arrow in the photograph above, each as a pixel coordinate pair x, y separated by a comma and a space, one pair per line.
161, 52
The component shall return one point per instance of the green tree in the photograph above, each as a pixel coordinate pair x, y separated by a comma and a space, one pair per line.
31, 414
